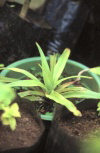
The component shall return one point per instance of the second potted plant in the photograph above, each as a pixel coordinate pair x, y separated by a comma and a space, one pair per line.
21, 128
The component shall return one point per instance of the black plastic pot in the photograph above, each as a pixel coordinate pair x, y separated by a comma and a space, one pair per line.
37, 140
59, 140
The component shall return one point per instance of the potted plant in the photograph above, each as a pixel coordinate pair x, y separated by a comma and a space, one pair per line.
53, 85
72, 134
21, 128
10, 112
76, 134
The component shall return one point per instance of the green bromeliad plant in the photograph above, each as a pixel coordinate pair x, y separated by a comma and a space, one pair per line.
9, 111
53, 85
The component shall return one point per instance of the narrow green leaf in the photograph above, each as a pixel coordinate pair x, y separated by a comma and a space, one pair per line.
47, 77
53, 59
72, 77
95, 70
34, 98
30, 92
72, 88
43, 58
6, 79
59, 67
65, 86
58, 98
26, 83
80, 92
28, 74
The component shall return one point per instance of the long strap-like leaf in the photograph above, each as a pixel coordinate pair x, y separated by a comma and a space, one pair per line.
72, 77
47, 77
26, 83
80, 92
30, 92
53, 60
7, 79
58, 98
26, 73
59, 67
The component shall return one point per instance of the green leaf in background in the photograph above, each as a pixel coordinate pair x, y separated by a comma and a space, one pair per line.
9, 114
95, 70
14, 110
65, 102
98, 108
6, 79
91, 143
1, 65
7, 94
12, 123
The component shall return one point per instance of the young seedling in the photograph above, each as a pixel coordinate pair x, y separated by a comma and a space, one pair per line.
52, 86
10, 111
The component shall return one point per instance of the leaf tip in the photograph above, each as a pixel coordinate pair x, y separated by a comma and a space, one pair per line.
77, 113
67, 50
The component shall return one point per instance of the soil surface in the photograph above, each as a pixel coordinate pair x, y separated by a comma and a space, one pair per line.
68, 133
28, 131
81, 126
45, 106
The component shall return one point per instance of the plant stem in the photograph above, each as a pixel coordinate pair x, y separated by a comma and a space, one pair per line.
24, 9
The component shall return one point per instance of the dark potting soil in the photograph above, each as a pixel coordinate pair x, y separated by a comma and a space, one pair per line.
27, 133
44, 106
81, 126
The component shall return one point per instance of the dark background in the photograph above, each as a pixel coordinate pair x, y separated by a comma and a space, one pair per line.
17, 37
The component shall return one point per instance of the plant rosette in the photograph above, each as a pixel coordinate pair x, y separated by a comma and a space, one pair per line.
53, 86
8, 111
